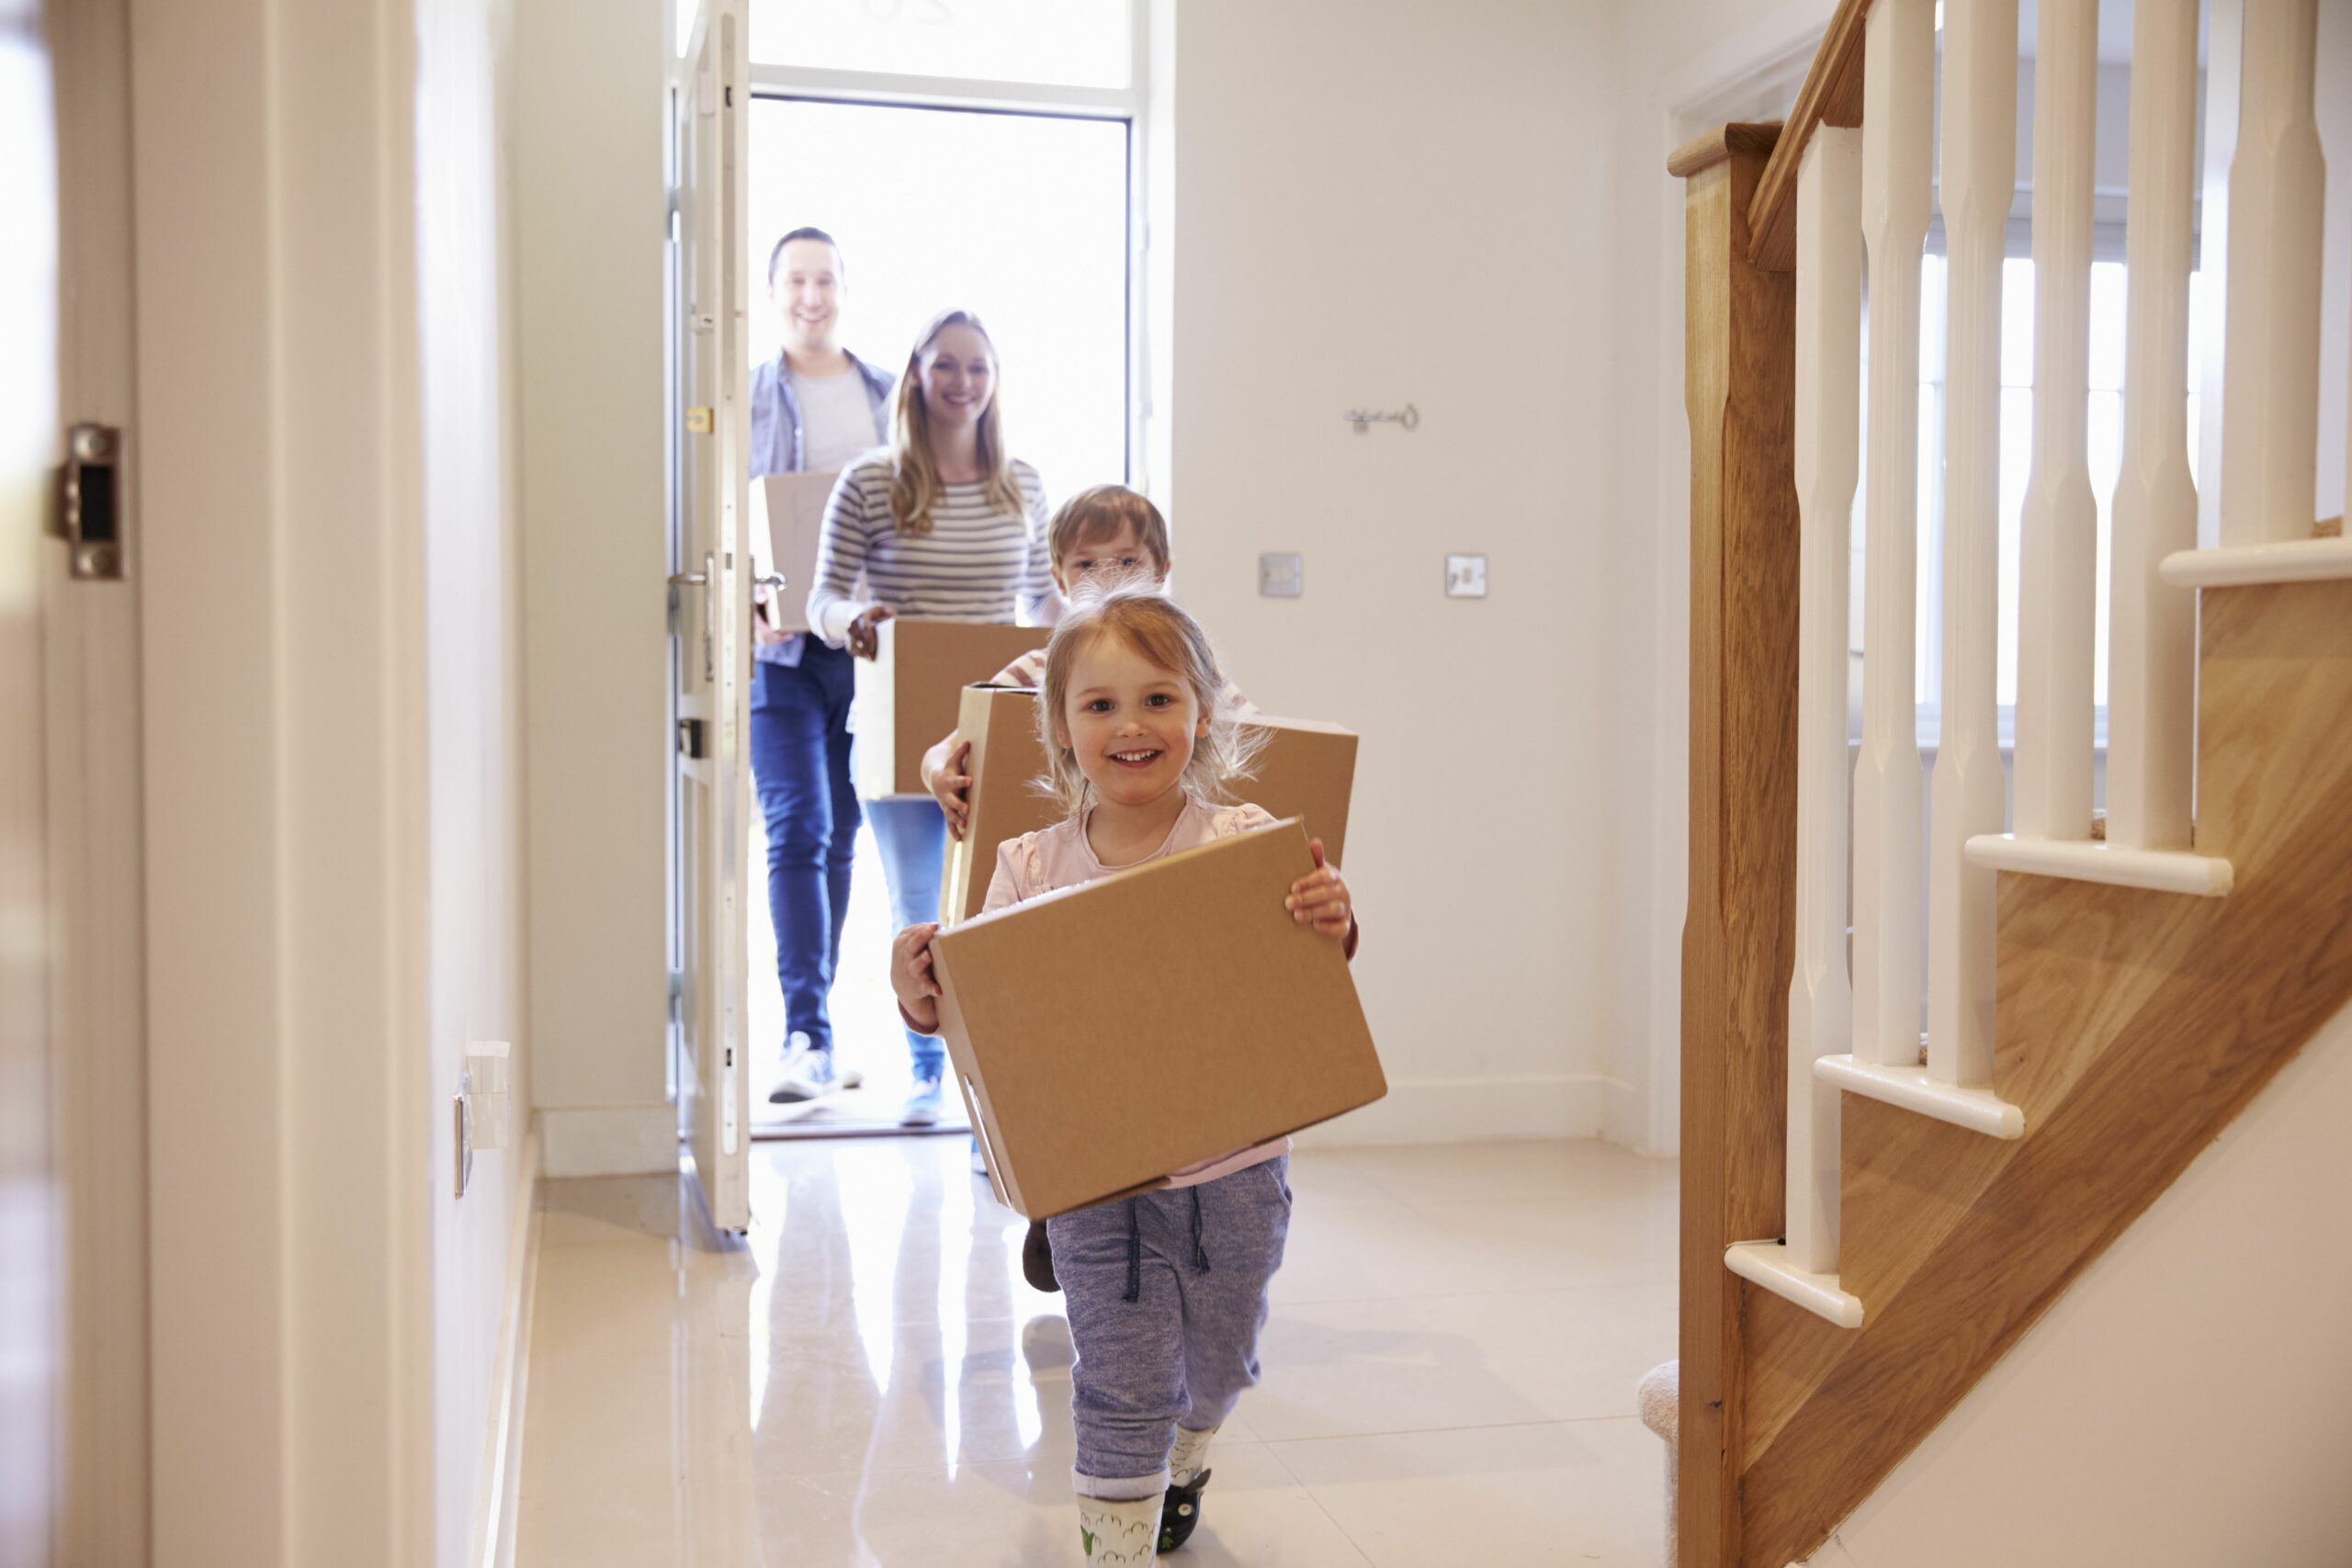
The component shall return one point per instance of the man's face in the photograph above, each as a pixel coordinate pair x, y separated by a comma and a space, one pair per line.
807, 290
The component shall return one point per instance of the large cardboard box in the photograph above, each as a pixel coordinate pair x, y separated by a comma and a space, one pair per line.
907, 694
1106, 1036
1306, 769
787, 520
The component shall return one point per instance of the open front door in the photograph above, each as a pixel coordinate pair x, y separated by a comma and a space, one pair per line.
711, 588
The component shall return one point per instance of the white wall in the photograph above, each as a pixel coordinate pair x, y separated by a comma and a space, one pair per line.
473, 717
591, 224
2187, 1403
1389, 204
331, 730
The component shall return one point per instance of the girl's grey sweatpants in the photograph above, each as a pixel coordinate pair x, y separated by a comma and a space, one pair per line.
1197, 1260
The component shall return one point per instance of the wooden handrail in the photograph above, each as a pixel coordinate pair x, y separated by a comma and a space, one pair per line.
1832, 95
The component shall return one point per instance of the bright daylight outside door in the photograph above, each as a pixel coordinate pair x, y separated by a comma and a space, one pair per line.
711, 588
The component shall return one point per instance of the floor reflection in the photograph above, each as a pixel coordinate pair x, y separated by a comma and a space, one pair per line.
865, 1378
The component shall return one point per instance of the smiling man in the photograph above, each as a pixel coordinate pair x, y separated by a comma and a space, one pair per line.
815, 408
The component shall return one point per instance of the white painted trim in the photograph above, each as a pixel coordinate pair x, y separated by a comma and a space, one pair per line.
2086, 860
1472, 1111
2236, 566
1766, 1263
499, 1492
626, 1140
1978, 1109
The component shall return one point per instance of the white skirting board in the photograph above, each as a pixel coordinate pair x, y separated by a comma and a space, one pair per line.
627, 1140
498, 1493
1455, 1111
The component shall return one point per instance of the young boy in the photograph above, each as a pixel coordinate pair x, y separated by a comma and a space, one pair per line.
1108, 531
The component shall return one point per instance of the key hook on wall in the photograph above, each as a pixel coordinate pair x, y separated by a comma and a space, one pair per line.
1408, 417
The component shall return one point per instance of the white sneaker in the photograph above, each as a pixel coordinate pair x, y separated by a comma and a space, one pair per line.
810, 1074
921, 1108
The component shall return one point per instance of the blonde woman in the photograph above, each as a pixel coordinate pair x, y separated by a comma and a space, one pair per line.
943, 522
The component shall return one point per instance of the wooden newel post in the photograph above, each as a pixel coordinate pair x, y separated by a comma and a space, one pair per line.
1739, 939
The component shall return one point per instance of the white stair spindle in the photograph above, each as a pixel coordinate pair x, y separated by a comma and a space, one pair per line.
2058, 557
2151, 664
2270, 344
1828, 433
1898, 94
1979, 181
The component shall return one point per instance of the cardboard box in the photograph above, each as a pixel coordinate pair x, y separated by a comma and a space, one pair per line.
1007, 756
1106, 1036
907, 694
1308, 770
787, 519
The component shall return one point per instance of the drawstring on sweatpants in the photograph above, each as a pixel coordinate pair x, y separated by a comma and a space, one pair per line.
1134, 1245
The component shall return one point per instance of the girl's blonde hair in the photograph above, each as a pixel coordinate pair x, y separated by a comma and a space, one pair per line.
1148, 622
915, 484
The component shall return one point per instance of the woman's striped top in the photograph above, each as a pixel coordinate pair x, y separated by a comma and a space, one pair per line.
980, 562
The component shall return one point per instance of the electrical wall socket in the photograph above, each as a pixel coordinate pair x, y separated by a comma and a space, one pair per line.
487, 1065
1282, 576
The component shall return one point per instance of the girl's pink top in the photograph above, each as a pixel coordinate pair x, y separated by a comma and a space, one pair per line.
1059, 857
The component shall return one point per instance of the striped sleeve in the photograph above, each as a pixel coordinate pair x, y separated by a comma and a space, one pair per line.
841, 556
1040, 602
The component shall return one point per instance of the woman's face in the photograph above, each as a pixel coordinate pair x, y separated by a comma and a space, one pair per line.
958, 378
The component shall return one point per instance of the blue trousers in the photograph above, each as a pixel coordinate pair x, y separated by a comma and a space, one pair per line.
800, 767
912, 832
1166, 1293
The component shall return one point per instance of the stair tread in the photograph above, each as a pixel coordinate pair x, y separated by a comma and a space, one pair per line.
2091, 860
2282, 561
1910, 1087
1767, 1263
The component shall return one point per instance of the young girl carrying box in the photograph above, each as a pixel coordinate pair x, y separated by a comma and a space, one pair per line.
1166, 1290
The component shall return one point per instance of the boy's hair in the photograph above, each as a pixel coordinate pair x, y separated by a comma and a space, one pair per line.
1101, 511
1148, 622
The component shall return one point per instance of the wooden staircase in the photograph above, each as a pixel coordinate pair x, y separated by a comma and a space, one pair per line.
2143, 996
2133, 1026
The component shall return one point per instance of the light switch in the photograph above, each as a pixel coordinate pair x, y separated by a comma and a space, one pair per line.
1282, 576
1465, 577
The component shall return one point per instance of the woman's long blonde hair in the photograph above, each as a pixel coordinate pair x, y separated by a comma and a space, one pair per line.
1136, 612
915, 484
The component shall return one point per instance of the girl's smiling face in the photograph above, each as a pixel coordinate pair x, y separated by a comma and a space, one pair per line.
1131, 724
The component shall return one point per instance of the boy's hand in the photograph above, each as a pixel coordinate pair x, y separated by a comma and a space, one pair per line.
912, 975
865, 641
952, 787
1320, 898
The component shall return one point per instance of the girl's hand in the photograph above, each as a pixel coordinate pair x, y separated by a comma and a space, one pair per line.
863, 641
1320, 898
912, 975
952, 787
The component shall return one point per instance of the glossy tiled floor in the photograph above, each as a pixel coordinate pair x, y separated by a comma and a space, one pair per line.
1449, 1371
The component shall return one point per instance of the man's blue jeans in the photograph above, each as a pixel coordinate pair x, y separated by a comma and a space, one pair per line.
912, 832
800, 766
